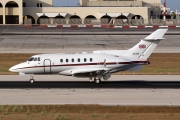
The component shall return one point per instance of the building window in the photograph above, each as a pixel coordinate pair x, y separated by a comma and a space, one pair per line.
78, 59
151, 13
72, 60
37, 4
24, 4
40, 4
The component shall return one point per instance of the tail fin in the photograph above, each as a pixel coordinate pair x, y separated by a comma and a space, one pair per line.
147, 45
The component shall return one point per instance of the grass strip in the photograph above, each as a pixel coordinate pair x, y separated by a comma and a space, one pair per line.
88, 112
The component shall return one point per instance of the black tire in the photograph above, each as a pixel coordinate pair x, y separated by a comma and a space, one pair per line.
97, 81
31, 81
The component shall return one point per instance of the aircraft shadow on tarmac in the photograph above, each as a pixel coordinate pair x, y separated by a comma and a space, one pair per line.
86, 84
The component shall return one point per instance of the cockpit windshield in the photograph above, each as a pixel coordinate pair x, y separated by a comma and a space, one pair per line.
35, 59
30, 59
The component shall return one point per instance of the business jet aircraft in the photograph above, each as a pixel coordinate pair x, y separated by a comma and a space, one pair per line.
97, 65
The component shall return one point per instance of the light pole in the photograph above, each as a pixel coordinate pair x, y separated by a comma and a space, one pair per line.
164, 15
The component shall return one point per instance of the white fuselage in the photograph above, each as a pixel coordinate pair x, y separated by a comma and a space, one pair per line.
70, 64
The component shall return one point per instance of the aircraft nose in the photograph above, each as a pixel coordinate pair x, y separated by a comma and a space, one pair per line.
13, 69
17, 68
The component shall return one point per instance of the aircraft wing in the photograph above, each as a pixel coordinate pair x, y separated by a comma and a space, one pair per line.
76, 72
81, 71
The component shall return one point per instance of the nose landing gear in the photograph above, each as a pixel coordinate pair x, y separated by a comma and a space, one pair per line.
31, 80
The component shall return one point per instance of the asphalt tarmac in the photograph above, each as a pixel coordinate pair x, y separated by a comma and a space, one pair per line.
119, 90
116, 81
80, 43
20, 30
105, 85
17, 39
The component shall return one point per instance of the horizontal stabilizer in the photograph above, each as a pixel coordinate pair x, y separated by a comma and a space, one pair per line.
154, 39
157, 35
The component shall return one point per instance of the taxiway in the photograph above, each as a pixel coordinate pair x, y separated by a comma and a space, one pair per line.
80, 43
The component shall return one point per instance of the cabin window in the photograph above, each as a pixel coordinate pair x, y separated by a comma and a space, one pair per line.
78, 59
61, 60
91, 59
35, 59
39, 59
30, 59
40, 4
85, 59
37, 4
67, 60
72, 60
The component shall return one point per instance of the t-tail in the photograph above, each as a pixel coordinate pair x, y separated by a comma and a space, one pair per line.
146, 46
143, 49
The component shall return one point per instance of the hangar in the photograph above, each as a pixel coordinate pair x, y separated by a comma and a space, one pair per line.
87, 12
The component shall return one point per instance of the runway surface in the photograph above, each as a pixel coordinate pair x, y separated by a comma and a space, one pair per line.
116, 81
119, 90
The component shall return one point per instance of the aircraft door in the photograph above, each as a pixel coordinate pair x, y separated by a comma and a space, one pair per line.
47, 66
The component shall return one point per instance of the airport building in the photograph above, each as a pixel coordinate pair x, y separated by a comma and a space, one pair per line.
86, 12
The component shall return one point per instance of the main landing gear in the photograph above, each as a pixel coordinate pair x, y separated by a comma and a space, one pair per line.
31, 80
97, 80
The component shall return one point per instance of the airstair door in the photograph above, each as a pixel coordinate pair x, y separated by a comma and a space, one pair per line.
47, 66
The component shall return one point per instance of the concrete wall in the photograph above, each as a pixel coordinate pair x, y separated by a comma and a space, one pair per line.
120, 3
33, 3
115, 3
83, 2
12, 11
151, 1
31, 9
1, 10
82, 12
148, 1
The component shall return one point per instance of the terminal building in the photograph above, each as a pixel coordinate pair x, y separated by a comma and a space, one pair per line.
86, 12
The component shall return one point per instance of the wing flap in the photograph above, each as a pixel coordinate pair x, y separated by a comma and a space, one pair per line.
80, 71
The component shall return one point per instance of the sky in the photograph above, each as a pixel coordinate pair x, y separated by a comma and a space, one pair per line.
173, 4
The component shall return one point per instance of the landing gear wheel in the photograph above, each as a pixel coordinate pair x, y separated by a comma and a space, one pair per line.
31, 80
97, 81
